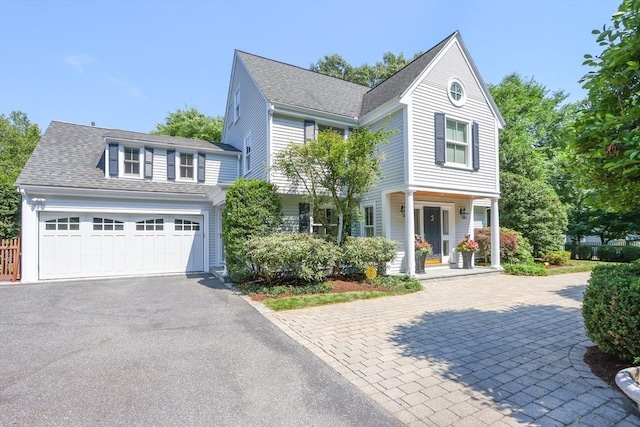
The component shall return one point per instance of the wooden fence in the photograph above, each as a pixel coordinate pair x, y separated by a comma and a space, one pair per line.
10, 259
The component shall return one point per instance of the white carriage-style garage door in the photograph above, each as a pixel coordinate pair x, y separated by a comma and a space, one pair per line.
101, 244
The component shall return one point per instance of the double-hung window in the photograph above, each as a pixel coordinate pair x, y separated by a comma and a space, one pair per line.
369, 227
132, 161
186, 166
457, 141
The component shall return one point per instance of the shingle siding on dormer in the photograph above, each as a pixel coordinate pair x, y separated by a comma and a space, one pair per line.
431, 96
252, 121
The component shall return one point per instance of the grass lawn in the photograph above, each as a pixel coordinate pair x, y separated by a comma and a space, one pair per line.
332, 292
574, 266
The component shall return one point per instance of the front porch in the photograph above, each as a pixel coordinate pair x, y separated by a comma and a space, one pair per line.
441, 218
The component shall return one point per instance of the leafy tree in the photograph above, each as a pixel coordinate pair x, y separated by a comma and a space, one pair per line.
252, 208
191, 123
334, 171
535, 125
532, 207
365, 74
532, 150
608, 126
18, 138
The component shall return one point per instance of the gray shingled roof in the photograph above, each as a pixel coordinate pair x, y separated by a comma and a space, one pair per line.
401, 79
299, 87
290, 85
72, 156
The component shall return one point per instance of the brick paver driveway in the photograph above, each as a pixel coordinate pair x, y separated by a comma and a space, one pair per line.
486, 350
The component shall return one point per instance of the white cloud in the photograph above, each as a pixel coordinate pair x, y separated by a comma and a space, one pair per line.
79, 62
128, 86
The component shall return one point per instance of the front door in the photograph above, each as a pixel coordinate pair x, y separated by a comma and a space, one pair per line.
432, 229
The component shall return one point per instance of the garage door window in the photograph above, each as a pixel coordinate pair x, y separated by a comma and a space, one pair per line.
186, 225
150, 225
72, 223
106, 224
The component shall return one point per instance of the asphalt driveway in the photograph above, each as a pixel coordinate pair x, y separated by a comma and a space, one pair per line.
160, 351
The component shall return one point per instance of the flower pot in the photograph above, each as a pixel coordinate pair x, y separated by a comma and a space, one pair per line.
420, 259
467, 259
629, 382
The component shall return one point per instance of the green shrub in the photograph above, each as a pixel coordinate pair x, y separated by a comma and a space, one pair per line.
252, 208
525, 269
629, 253
514, 247
301, 256
611, 309
607, 253
585, 252
361, 252
398, 284
275, 291
557, 257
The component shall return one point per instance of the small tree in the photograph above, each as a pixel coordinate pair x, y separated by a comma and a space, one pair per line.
252, 208
336, 171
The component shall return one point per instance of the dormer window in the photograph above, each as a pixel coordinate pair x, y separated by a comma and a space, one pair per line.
132, 161
186, 166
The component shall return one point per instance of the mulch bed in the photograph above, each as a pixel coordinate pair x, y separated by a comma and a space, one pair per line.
604, 365
338, 286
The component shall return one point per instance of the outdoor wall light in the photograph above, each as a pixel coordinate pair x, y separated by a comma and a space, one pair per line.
402, 210
463, 213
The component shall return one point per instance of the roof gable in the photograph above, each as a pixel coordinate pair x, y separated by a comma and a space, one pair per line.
298, 87
402, 79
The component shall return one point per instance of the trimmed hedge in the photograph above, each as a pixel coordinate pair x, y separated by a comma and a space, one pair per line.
611, 309
557, 257
585, 252
297, 255
361, 252
525, 269
629, 253
607, 253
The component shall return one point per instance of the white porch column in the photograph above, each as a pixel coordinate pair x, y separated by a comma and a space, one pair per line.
410, 259
495, 235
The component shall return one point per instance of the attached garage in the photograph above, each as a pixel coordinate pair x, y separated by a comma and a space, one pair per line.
107, 244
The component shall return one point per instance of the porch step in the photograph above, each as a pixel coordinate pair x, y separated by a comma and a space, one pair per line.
432, 261
436, 265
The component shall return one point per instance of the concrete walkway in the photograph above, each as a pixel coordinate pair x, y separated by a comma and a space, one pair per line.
483, 350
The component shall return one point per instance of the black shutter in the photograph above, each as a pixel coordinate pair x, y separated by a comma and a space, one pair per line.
475, 147
440, 144
202, 158
309, 130
171, 165
303, 217
113, 159
148, 163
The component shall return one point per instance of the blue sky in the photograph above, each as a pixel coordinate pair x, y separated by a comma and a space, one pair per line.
126, 64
